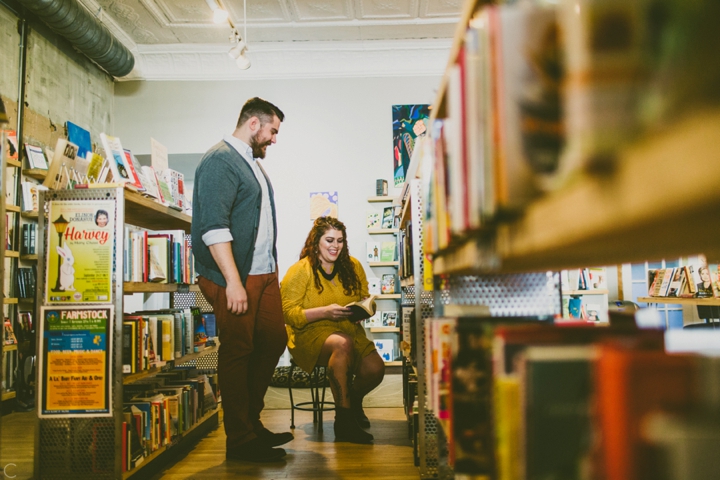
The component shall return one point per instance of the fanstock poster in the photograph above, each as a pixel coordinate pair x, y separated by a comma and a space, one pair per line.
75, 361
409, 122
80, 251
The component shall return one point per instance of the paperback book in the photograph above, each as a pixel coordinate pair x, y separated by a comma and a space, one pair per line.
362, 309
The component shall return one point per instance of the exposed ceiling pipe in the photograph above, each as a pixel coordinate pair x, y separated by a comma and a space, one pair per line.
71, 20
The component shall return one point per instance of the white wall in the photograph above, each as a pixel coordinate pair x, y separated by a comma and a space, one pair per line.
337, 135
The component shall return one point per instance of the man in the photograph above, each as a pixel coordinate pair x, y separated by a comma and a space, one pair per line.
234, 233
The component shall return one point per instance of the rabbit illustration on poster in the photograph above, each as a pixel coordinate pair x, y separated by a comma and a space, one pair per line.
67, 271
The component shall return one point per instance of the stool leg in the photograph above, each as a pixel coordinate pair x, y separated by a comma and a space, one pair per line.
292, 403
314, 393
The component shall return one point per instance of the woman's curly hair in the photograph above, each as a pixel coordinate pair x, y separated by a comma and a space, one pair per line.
343, 265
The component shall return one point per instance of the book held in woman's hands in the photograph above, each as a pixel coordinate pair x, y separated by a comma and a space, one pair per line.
362, 309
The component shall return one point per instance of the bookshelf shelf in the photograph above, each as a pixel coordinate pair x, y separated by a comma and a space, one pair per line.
12, 208
388, 296
141, 287
381, 199
12, 253
614, 218
8, 395
10, 301
213, 414
384, 329
147, 213
599, 291
29, 258
383, 231
407, 281
9, 348
36, 173
384, 264
680, 301
29, 215
13, 163
134, 377
394, 363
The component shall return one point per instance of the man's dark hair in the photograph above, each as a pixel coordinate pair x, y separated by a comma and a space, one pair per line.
262, 109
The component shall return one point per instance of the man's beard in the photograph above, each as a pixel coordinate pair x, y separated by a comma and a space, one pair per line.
257, 147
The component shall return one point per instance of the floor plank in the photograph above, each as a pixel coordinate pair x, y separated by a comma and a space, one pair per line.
312, 455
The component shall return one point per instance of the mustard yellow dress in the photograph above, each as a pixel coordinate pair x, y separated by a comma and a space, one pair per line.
305, 340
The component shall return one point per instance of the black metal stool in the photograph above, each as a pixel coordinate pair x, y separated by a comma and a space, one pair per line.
318, 405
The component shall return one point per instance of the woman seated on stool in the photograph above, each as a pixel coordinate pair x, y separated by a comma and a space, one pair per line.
314, 291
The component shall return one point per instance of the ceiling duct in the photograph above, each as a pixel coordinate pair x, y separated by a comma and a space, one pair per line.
72, 21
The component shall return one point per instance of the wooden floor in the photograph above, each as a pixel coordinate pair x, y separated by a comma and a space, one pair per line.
312, 455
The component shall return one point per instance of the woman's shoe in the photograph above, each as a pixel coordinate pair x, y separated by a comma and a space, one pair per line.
357, 409
347, 429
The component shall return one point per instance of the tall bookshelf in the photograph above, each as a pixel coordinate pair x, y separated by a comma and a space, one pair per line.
64, 442
604, 217
391, 332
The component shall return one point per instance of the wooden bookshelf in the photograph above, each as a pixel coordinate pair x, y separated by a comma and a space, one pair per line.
147, 213
382, 199
383, 231
213, 414
616, 216
149, 287
388, 296
384, 329
36, 173
134, 377
597, 291
384, 264
681, 301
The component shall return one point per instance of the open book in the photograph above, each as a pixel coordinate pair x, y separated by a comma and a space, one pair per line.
362, 309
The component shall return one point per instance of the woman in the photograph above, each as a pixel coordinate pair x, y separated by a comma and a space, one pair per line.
314, 291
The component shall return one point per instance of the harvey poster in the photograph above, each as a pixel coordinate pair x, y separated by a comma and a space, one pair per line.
80, 251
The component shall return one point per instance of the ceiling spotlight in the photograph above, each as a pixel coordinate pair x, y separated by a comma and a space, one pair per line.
238, 53
220, 15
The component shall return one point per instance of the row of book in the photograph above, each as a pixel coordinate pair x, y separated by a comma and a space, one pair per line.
73, 164
20, 330
153, 338
381, 251
158, 410
162, 256
386, 219
702, 281
522, 399
26, 281
540, 91
28, 240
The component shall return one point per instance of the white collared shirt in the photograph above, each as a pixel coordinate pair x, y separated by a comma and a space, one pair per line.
263, 260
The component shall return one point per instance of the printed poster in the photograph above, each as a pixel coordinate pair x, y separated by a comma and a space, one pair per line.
74, 367
323, 204
81, 235
409, 122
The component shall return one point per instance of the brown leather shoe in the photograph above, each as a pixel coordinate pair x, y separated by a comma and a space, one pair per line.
271, 439
255, 451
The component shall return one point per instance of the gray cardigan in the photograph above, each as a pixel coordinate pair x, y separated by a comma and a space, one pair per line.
227, 195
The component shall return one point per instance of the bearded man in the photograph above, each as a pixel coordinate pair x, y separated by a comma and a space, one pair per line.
234, 236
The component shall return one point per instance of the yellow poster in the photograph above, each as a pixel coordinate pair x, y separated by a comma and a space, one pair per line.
80, 245
74, 364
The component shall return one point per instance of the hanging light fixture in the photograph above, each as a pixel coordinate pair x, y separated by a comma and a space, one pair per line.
220, 15
239, 49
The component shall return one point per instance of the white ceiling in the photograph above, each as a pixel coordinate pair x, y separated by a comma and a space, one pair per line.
176, 39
